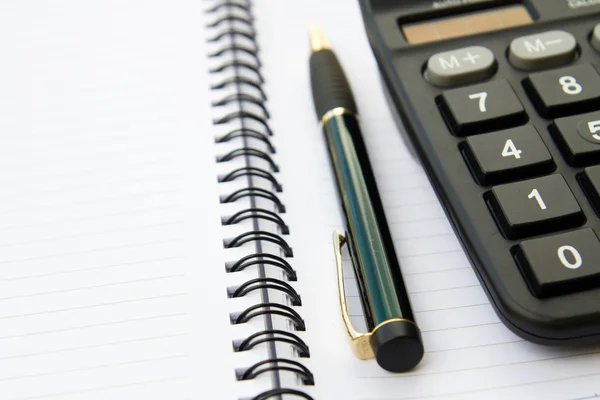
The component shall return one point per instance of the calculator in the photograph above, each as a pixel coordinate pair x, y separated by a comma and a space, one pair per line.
500, 101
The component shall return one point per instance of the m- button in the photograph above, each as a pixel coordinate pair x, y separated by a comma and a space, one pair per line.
541, 51
461, 66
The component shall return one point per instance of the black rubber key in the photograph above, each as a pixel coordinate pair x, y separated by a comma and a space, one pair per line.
578, 138
590, 180
508, 155
535, 206
565, 91
482, 108
559, 264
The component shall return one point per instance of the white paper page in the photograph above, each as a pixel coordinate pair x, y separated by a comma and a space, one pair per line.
112, 281
469, 353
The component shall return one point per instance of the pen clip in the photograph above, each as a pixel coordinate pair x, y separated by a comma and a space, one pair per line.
359, 342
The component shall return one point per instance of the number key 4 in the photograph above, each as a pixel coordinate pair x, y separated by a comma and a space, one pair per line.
508, 155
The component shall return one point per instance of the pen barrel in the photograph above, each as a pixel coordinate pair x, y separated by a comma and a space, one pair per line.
380, 282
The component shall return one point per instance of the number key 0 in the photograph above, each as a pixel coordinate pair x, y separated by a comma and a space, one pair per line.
561, 263
534, 206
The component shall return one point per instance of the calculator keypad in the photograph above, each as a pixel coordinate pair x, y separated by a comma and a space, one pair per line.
562, 263
542, 50
529, 198
535, 206
565, 91
507, 155
483, 107
578, 138
512, 149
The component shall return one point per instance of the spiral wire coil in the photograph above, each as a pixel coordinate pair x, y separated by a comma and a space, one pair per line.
237, 58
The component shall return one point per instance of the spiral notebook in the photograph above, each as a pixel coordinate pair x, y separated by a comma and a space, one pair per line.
167, 207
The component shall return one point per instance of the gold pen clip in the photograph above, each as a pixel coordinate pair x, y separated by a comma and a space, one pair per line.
359, 342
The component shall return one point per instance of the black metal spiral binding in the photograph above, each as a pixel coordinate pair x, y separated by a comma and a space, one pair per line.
240, 78
255, 192
242, 97
276, 393
238, 81
262, 236
249, 152
230, 18
237, 48
268, 283
231, 32
257, 213
244, 115
232, 4
264, 259
270, 309
280, 364
274, 335
239, 65
251, 171
247, 133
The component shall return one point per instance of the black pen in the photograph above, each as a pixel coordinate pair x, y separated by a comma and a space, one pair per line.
393, 338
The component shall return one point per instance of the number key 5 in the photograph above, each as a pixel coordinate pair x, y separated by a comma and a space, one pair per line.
578, 138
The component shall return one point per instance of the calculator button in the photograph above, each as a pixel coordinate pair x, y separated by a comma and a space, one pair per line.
461, 66
565, 91
590, 180
578, 138
596, 38
483, 107
562, 263
535, 206
542, 50
507, 155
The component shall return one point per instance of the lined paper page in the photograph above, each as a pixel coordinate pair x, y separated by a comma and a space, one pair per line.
108, 205
469, 353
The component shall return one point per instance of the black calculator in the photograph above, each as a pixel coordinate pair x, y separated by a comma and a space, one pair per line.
501, 103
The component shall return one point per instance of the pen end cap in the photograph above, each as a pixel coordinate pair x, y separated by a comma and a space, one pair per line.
397, 345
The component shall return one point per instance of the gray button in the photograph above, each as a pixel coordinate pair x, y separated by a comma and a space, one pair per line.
542, 50
461, 66
596, 38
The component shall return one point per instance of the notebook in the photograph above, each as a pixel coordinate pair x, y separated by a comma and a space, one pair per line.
157, 242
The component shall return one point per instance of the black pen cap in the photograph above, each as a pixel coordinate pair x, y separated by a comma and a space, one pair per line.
397, 345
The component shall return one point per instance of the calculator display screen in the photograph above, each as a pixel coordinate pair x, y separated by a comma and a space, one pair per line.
466, 24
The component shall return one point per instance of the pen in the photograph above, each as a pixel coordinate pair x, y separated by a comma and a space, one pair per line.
393, 338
